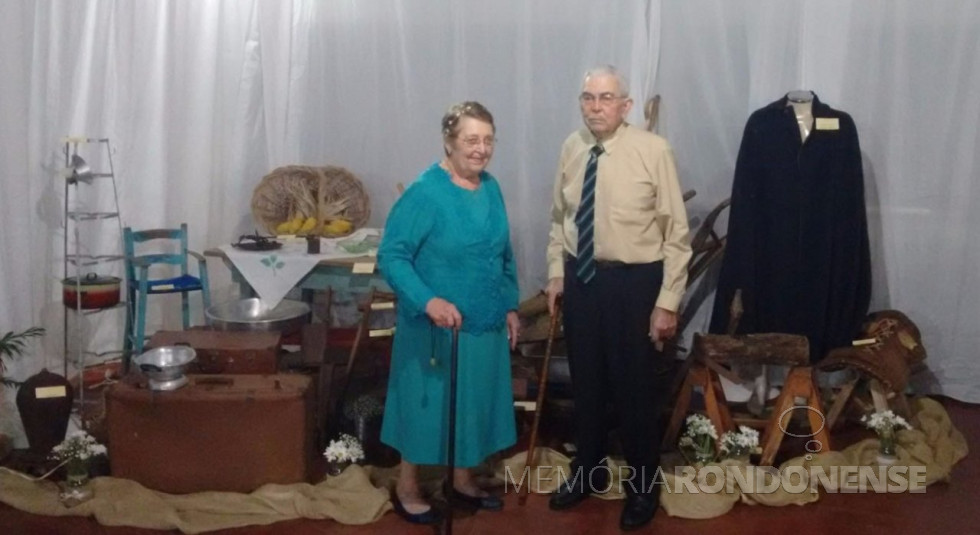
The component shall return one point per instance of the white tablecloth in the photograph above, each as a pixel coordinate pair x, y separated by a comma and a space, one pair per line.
273, 273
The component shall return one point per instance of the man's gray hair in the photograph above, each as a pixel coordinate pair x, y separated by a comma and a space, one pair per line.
608, 70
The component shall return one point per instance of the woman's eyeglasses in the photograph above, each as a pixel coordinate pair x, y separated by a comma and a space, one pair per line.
473, 141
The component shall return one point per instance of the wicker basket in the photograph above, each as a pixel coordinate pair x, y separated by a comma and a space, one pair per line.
325, 193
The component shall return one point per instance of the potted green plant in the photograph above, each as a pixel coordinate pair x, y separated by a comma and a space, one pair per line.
12, 346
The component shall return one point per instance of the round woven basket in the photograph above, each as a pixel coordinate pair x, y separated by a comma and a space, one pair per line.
327, 192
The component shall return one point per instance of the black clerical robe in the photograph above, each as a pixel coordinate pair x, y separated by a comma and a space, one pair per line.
797, 234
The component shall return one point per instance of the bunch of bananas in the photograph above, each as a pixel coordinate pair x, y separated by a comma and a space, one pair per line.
301, 225
297, 225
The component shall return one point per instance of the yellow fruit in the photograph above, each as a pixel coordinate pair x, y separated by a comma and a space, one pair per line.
294, 225
308, 225
337, 227
283, 228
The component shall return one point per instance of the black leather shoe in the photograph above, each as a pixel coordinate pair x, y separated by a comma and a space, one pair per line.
638, 511
432, 516
567, 496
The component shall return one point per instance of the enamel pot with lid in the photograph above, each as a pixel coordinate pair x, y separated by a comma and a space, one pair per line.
96, 292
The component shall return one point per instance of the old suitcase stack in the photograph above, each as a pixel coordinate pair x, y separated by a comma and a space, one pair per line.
242, 352
220, 432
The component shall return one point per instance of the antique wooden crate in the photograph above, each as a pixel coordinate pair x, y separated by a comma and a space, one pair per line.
220, 432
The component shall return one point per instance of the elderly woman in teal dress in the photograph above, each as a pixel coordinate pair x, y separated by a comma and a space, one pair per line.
446, 252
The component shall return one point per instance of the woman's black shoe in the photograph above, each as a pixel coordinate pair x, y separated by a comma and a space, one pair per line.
488, 502
432, 516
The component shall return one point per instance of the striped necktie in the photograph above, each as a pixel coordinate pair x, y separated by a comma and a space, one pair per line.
585, 220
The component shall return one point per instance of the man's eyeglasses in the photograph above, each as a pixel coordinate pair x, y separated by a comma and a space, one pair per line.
605, 99
473, 142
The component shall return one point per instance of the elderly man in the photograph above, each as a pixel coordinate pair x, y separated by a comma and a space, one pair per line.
618, 251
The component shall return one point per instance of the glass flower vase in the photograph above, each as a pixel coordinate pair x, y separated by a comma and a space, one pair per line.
76, 489
702, 457
335, 468
886, 443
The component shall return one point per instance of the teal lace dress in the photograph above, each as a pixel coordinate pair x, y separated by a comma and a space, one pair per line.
442, 240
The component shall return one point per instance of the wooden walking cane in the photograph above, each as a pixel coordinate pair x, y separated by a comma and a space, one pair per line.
539, 405
451, 462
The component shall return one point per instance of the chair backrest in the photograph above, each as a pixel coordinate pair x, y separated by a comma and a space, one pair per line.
132, 237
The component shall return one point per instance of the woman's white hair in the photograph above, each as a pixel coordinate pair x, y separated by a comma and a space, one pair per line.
608, 70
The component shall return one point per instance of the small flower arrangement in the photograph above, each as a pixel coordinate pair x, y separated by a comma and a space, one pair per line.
740, 443
79, 446
884, 423
697, 444
76, 452
345, 449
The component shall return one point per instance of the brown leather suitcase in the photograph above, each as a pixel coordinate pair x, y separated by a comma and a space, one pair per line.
241, 352
220, 432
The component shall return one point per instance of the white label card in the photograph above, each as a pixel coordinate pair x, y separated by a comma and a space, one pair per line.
828, 123
46, 392
363, 267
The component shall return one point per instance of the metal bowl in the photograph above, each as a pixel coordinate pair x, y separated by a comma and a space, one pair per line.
251, 315
165, 366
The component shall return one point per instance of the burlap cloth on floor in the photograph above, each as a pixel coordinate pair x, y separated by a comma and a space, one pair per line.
349, 498
933, 443
359, 496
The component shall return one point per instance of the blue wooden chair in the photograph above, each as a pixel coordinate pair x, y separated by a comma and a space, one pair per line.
139, 285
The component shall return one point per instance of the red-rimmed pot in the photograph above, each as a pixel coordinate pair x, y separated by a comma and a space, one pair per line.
96, 291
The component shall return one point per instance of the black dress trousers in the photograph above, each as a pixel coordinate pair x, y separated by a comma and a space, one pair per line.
611, 358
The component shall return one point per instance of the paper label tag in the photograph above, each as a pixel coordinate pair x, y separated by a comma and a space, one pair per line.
387, 305
363, 267
374, 333
47, 392
162, 287
527, 405
828, 123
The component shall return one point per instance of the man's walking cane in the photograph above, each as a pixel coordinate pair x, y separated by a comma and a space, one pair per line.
451, 464
539, 405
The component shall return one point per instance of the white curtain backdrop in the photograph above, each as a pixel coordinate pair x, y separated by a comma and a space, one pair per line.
203, 98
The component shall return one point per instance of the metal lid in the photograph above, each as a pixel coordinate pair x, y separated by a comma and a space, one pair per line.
92, 279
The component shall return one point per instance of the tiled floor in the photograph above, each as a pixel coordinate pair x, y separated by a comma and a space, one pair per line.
944, 508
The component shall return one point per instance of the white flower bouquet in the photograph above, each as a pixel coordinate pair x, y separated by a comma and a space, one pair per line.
885, 423
739, 443
697, 444
345, 449
78, 447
